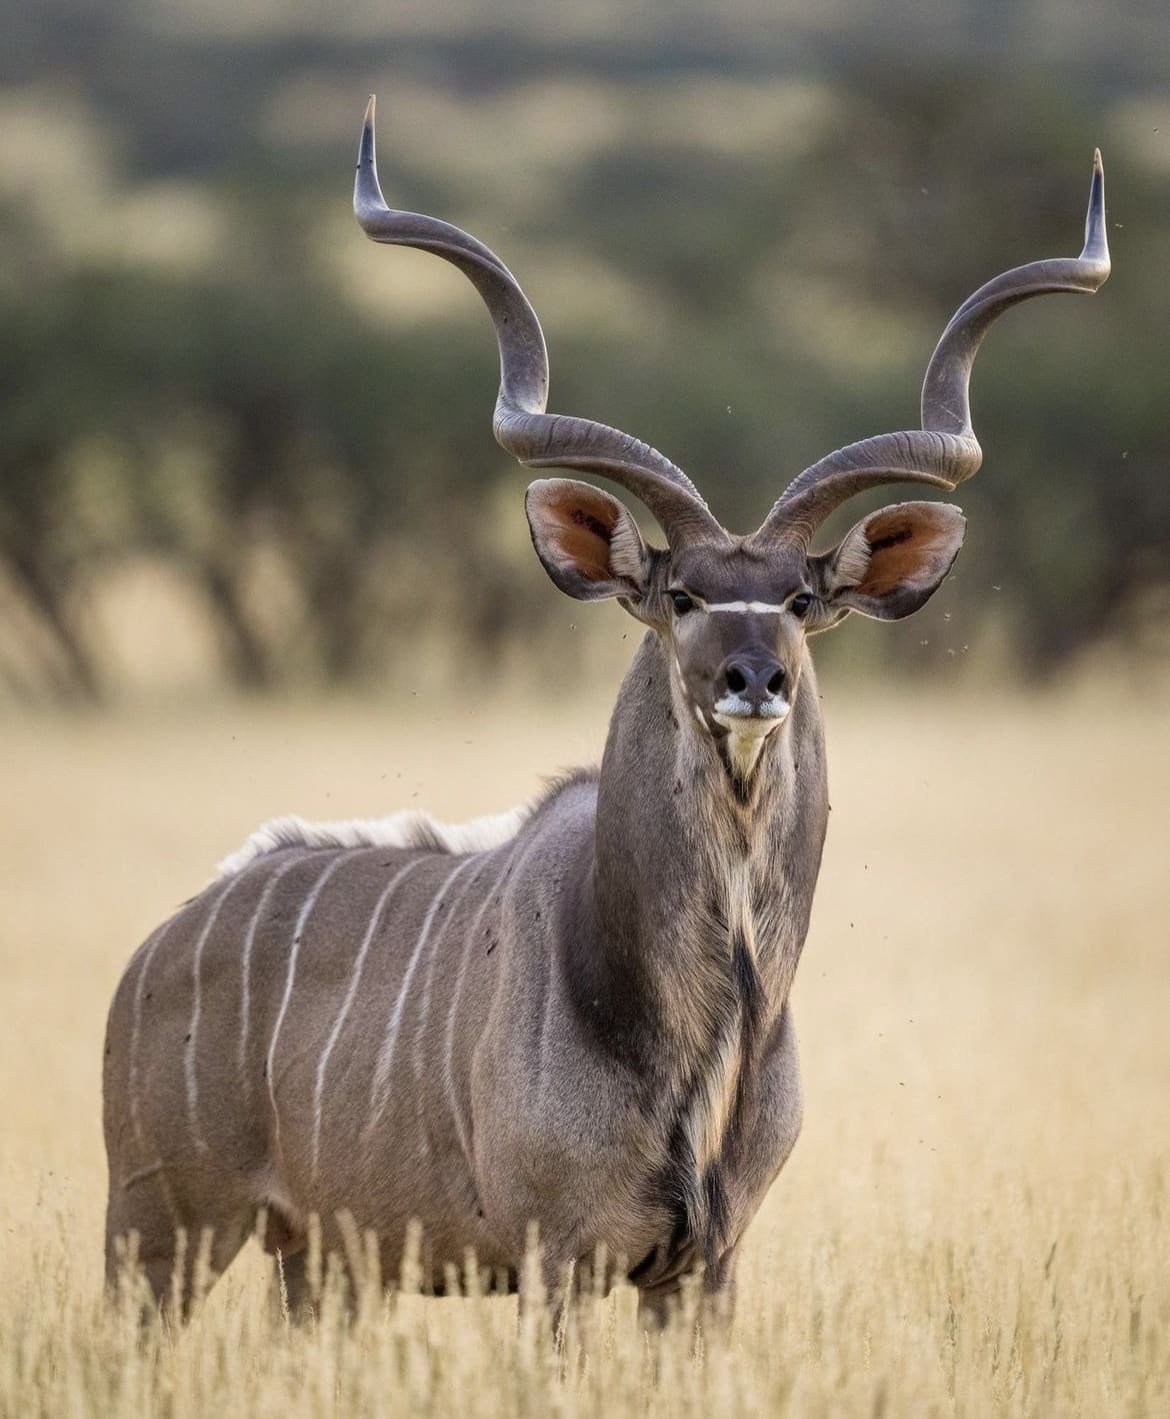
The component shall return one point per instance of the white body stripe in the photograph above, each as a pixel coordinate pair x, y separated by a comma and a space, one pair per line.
144, 1174
192, 1041
545, 1024
449, 1042
298, 932
156, 1167
347, 1004
425, 1007
472, 937
378, 1090
759, 608
148, 949
246, 967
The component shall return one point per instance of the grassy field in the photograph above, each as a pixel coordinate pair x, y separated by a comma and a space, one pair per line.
975, 1221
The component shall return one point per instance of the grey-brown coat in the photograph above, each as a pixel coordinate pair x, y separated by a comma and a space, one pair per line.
577, 1016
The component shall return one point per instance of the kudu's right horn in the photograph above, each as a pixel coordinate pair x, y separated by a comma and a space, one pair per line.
945, 450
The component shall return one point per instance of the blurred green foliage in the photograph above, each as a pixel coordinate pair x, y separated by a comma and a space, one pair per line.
743, 242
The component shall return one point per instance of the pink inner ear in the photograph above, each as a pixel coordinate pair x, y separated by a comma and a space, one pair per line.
580, 531
904, 545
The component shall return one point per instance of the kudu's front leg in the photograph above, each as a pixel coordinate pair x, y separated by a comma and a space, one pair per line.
716, 1288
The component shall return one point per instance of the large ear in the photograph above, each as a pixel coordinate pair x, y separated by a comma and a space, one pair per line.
892, 562
588, 542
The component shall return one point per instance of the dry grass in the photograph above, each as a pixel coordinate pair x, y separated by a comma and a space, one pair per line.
974, 1222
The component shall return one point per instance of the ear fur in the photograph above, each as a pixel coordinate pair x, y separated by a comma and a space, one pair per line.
586, 540
892, 562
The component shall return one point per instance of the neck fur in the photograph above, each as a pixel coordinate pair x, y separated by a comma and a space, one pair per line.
701, 892
702, 883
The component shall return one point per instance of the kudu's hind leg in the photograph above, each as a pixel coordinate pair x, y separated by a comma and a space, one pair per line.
292, 1292
142, 1233
178, 1255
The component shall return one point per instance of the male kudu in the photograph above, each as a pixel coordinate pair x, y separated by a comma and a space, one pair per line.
577, 1014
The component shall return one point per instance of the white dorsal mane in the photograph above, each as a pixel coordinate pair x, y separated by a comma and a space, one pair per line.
410, 828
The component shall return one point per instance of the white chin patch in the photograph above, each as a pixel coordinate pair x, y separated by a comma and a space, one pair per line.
742, 720
748, 729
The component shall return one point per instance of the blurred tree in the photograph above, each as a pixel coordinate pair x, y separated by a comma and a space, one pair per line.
248, 420
238, 423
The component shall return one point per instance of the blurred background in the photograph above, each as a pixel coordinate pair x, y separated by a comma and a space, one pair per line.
241, 447
252, 511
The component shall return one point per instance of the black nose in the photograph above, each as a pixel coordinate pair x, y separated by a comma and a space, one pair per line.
755, 678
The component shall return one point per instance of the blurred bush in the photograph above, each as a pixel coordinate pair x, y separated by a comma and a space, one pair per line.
743, 244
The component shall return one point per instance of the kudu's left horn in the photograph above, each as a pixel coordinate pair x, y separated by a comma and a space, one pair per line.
945, 450
521, 425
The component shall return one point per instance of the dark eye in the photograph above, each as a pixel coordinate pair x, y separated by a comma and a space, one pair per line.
799, 604
682, 602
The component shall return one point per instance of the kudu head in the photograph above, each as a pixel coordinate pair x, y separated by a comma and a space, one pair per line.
734, 612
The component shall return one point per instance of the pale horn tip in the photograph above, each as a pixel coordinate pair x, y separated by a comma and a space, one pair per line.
366, 146
1096, 239
367, 193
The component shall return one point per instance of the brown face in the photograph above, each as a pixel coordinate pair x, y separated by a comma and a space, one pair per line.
736, 626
